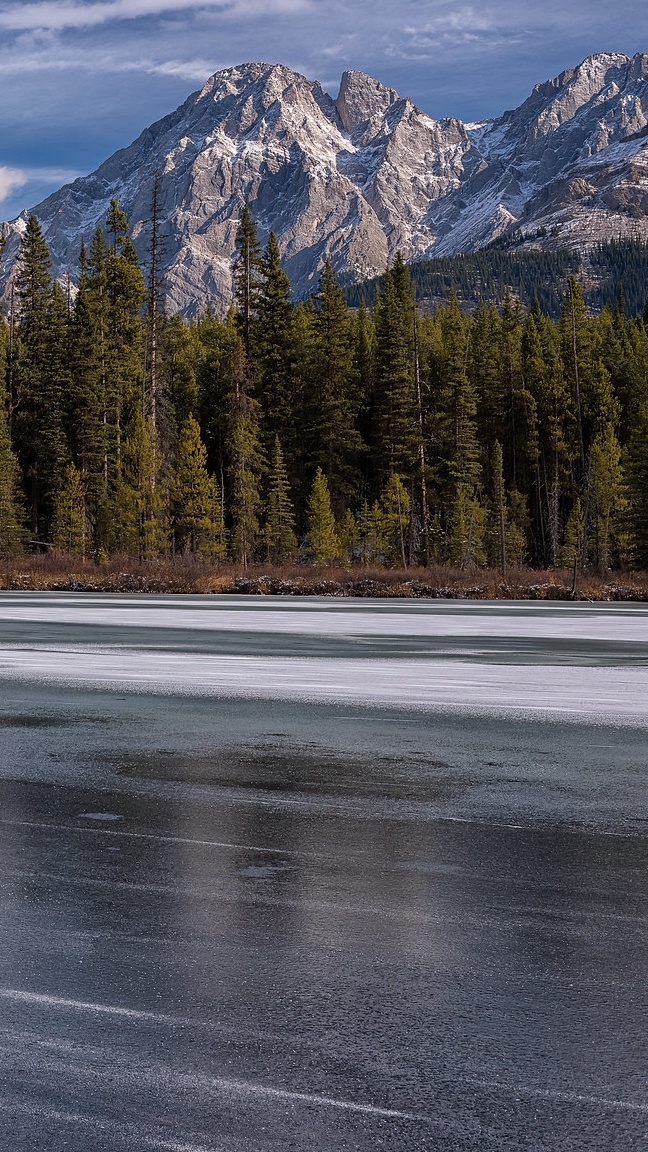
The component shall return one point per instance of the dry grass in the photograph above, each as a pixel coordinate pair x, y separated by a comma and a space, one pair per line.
183, 575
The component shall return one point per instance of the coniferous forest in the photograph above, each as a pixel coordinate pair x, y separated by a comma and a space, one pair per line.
312, 431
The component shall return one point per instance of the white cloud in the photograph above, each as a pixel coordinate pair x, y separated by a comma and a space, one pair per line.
10, 180
54, 15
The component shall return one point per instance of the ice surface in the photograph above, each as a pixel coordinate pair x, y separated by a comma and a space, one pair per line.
478, 682
332, 618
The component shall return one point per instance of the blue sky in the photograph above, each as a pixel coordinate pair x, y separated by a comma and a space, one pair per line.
80, 78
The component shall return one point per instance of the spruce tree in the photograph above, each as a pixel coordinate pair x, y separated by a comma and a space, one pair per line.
372, 533
195, 500
86, 411
398, 433
246, 271
13, 536
126, 292
607, 494
499, 500
279, 535
466, 530
278, 384
179, 360
395, 507
323, 541
245, 463
43, 376
70, 523
334, 442
138, 522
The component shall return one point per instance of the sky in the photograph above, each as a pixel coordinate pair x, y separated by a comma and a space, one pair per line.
81, 78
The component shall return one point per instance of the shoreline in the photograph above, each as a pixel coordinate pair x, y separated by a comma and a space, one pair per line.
435, 583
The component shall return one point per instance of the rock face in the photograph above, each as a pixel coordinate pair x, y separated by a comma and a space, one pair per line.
366, 175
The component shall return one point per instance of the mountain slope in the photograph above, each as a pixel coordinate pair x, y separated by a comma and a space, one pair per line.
361, 177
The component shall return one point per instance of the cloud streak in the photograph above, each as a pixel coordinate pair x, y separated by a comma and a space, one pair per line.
10, 180
81, 78
53, 16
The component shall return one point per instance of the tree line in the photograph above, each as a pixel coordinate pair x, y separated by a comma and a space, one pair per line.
531, 274
293, 430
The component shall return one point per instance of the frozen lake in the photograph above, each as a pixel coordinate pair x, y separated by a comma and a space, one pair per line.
322, 874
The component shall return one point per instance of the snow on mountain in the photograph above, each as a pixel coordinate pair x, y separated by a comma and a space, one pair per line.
358, 178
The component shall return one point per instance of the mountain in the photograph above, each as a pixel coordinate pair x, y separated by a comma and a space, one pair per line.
358, 178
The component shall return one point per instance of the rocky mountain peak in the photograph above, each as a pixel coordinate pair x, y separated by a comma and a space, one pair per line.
357, 179
362, 102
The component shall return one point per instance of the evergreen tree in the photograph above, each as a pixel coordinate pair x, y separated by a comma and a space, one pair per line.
279, 535
245, 465
247, 270
372, 534
86, 410
608, 495
398, 433
43, 374
466, 533
197, 520
335, 443
126, 292
499, 501
12, 531
278, 385
322, 535
179, 358
395, 508
138, 521
70, 524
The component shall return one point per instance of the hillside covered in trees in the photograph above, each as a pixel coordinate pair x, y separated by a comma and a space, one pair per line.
531, 275
307, 430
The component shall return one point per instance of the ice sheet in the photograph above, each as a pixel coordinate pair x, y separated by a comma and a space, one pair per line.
605, 695
335, 618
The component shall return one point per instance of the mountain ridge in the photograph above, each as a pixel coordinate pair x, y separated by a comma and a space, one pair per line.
360, 177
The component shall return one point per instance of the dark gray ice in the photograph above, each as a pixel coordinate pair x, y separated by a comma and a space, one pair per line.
322, 916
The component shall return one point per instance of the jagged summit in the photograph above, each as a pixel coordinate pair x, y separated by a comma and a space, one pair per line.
358, 178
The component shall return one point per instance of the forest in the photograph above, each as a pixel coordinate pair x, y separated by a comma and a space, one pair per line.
533, 275
312, 431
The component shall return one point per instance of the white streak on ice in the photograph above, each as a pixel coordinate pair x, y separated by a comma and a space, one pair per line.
221, 1083
580, 622
609, 695
104, 1124
566, 1097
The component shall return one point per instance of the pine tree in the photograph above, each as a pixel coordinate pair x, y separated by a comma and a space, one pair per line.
398, 433
574, 541
70, 523
12, 532
576, 347
322, 535
179, 355
395, 508
372, 534
245, 463
279, 536
348, 537
196, 504
138, 522
608, 494
155, 300
278, 385
86, 411
43, 373
246, 271
126, 292
499, 499
335, 443
466, 533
